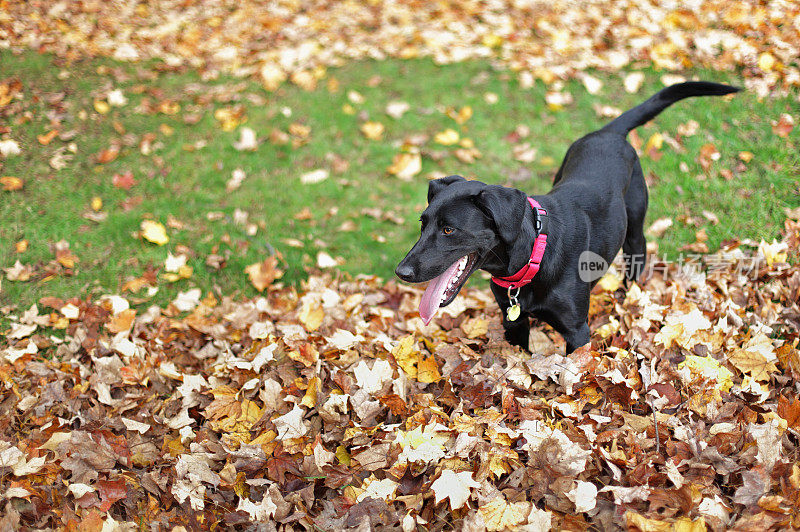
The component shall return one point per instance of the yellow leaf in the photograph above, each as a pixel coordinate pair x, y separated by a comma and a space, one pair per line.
766, 61
154, 232
304, 79
406, 356
311, 315
307, 355
610, 282
498, 514
463, 114
272, 76
11, 183
709, 368
122, 321
448, 137
475, 327
342, 455
655, 142
746, 156
101, 106
684, 524
428, 370
405, 165
775, 252
372, 130
753, 363
96, 203
310, 398
635, 520
265, 437
262, 274
492, 40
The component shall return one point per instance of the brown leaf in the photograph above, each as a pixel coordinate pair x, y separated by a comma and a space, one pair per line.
107, 155
790, 411
262, 274
783, 126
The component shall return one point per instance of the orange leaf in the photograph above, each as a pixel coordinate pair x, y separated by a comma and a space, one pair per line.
108, 155
262, 274
11, 183
47, 137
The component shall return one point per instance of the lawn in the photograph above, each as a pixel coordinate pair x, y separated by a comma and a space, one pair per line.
733, 177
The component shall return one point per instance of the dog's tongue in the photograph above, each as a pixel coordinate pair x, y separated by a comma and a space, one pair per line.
433, 294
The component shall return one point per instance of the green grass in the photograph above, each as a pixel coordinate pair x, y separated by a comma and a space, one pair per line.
189, 184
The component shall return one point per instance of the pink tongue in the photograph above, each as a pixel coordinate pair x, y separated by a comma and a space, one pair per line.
433, 294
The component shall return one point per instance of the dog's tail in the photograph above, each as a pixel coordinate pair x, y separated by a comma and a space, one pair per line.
641, 114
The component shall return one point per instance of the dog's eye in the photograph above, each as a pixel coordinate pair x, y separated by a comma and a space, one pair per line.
447, 230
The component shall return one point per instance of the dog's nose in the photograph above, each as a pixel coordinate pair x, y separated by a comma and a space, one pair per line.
404, 271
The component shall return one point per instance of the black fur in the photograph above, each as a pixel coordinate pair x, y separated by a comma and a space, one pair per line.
598, 202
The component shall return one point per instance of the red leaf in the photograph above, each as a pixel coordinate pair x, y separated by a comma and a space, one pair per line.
110, 492
124, 181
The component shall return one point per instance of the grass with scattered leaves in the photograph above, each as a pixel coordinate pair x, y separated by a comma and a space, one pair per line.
359, 214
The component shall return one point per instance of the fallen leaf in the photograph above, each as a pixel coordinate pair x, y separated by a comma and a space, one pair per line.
448, 137
11, 183
454, 486
405, 165
315, 176
262, 274
124, 181
154, 232
783, 126
372, 130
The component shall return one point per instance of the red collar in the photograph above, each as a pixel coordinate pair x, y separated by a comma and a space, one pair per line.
529, 271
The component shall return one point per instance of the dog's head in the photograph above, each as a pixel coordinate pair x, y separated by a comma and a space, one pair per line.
464, 224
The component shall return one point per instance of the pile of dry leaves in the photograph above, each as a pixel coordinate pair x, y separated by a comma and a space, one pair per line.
296, 40
337, 408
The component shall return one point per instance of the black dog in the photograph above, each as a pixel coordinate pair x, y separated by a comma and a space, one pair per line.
534, 248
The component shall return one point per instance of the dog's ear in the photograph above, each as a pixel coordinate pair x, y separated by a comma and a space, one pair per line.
436, 185
506, 206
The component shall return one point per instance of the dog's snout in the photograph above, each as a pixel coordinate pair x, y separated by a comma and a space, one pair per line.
404, 271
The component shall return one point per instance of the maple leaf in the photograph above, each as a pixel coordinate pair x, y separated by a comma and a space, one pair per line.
124, 181
18, 272
454, 486
422, 444
315, 176
783, 126
291, 424
372, 380
154, 232
405, 166
372, 130
110, 492
247, 140
790, 411
11, 183
584, 495
311, 315
378, 489
262, 274
396, 109
448, 137
499, 514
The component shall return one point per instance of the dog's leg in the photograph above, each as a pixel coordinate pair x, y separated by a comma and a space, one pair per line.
518, 332
635, 246
570, 318
576, 338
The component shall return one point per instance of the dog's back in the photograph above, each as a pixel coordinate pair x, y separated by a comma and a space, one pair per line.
601, 184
